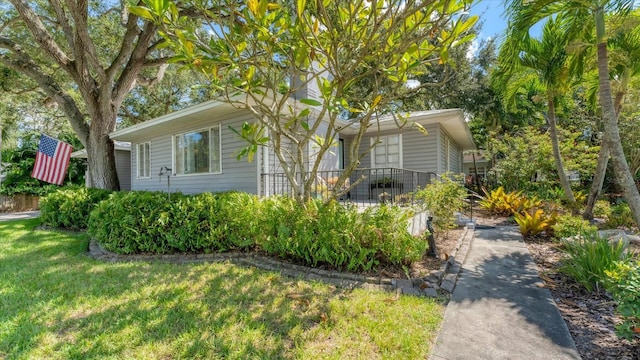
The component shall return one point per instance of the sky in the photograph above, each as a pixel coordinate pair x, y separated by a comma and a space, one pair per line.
491, 14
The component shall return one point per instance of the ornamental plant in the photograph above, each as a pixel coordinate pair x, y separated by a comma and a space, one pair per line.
589, 257
624, 285
358, 55
442, 197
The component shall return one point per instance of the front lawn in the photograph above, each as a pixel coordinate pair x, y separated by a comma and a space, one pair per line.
56, 302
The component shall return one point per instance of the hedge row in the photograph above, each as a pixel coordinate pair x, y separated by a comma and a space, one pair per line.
150, 222
69, 208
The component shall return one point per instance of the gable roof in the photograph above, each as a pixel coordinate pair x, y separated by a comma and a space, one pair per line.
452, 120
175, 121
118, 145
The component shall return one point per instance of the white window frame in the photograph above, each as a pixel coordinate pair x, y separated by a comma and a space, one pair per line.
211, 151
376, 141
447, 152
146, 172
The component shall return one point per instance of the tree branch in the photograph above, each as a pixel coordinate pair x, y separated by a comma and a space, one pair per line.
63, 22
84, 46
41, 35
24, 64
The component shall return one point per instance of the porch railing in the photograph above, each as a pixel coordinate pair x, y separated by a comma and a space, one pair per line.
367, 186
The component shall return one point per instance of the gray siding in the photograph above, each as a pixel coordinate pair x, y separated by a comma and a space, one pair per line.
448, 146
330, 159
123, 167
418, 151
236, 174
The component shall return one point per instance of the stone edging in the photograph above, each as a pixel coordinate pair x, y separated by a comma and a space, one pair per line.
427, 286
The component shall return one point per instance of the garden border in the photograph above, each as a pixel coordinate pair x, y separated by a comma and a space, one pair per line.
443, 279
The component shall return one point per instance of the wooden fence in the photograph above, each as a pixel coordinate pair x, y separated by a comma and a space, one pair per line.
19, 202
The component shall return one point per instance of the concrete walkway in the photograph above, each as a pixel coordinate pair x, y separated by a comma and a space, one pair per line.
19, 215
499, 308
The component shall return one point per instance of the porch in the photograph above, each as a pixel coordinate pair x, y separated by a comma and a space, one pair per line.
368, 186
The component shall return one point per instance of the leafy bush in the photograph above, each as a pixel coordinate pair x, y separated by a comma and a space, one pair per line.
338, 235
534, 222
624, 285
621, 216
69, 208
602, 209
499, 202
442, 198
133, 222
589, 257
568, 226
343, 237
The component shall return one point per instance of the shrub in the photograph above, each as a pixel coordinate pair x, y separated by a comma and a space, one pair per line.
567, 226
602, 209
442, 198
534, 222
339, 235
133, 222
620, 217
589, 257
343, 237
69, 208
499, 202
624, 285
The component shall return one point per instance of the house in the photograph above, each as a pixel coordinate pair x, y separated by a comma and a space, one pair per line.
476, 163
197, 149
123, 163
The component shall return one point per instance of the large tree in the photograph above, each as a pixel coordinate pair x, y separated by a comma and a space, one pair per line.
85, 56
261, 56
525, 14
625, 49
524, 60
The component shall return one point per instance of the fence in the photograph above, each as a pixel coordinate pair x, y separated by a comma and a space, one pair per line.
19, 202
362, 187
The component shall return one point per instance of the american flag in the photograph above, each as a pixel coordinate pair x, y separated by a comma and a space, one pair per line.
52, 160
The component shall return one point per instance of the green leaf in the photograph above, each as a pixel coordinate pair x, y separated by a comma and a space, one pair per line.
311, 102
141, 11
301, 5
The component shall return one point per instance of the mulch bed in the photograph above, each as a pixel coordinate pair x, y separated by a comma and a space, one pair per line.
589, 316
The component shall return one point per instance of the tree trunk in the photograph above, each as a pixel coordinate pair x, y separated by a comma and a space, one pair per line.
601, 167
618, 159
101, 151
564, 182
598, 178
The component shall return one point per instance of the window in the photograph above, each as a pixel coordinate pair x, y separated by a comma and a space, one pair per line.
197, 152
144, 160
388, 152
447, 155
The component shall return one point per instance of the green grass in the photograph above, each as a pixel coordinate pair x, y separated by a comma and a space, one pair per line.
58, 303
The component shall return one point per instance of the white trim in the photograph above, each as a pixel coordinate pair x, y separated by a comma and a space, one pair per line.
447, 152
148, 144
263, 183
212, 104
373, 151
209, 129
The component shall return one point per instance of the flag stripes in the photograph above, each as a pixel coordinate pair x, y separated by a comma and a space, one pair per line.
52, 160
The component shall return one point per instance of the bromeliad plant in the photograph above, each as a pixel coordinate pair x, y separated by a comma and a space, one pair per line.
499, 202
534, 222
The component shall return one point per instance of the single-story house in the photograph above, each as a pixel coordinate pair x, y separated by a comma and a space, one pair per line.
476, 163
123, 163
197, 149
